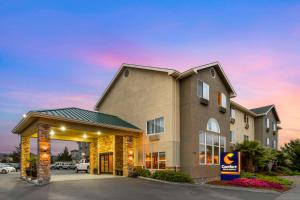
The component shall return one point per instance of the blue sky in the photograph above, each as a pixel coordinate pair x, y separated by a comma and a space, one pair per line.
64, 53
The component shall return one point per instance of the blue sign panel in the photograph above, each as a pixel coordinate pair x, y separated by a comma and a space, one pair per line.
230, 165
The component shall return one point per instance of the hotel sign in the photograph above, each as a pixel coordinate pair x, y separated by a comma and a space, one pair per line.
230, 165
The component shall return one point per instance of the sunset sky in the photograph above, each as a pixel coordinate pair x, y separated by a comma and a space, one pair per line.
65, 53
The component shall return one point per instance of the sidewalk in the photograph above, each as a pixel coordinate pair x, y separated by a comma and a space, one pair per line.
293, 194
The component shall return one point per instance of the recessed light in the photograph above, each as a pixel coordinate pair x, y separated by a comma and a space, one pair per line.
84, 136
99, 133
52, 132
62, 128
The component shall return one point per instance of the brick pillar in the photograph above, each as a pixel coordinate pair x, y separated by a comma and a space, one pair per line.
97, 155
128, 155
118, 154
93, 150
44, 154
25, 154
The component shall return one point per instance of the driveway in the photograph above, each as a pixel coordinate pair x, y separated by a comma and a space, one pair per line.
293, 194
11, 187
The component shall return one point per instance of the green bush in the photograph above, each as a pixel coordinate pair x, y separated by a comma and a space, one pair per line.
172, 176
143, 172
273, 179
286, 171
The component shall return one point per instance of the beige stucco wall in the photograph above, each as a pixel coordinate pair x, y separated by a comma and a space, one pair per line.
145, 95
239, 126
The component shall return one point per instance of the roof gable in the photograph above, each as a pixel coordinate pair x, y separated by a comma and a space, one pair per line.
264, 110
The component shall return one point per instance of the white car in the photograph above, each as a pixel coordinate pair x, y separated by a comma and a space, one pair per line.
4, 169
83, 165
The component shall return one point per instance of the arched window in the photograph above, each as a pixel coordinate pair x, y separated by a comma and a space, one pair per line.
213, 125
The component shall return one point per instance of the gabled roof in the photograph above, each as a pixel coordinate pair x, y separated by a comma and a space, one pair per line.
264, 110
242, 108
81, 116
171, 72
218, 68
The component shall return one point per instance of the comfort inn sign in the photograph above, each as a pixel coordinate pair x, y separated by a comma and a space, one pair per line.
230, 165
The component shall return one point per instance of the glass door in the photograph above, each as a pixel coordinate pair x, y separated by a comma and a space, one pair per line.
106, 163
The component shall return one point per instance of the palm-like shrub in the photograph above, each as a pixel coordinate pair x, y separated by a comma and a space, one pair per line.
253, 155
292, 149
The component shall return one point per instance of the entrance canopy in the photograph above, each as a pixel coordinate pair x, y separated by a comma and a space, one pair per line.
105, 133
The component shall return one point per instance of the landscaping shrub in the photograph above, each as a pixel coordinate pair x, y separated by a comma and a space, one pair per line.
143, 172
257, 183
172, 176
273, 179
286, 171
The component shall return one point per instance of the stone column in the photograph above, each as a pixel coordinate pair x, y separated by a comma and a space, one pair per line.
128, 155
25, 154
93, 149
44, 154
118, 154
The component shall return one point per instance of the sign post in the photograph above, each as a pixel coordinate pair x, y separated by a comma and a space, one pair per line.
230, 165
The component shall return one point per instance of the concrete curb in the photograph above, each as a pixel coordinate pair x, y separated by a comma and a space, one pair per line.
167, 182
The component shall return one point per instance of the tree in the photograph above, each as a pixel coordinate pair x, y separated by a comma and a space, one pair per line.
16, 155
65, 156
292, 149
253, 155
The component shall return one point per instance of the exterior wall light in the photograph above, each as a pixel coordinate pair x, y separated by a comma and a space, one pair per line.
99, 133
52, 132
84, 136
62, 128
24, 115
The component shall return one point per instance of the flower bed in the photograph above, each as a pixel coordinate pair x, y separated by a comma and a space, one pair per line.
252, 183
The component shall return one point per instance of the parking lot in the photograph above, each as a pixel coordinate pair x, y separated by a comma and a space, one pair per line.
11, 187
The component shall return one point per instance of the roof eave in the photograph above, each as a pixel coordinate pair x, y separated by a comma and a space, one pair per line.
31, 115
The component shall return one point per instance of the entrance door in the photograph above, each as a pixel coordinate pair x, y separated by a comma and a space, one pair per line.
106, 163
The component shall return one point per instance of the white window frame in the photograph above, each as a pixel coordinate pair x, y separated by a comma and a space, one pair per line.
155, 133
267, 122
268, 141
213, 149
232, 113
223, 100
232, 138
213, 121
274, 126
158, 160
274, 144
205, 90
246, 136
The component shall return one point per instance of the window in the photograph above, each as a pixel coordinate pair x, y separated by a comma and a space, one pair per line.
246, 118
274, 126
246, 138
267, 123
155, 126
203, 90
156, 160
232, 113
213, 125
274, 144
268, 142
210, 147
232, 137
222, 101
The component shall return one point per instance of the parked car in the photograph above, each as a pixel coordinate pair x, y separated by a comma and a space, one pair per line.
72, 166
15, 165
83, 165
53, 166
4, 169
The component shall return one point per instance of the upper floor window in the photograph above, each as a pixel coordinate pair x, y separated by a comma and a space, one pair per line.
246, 138
222, 101
155, 126
232, 113
268, 142
232, 137
246, 118
203, 90
274, 144
267, 122
213, 125
274, 126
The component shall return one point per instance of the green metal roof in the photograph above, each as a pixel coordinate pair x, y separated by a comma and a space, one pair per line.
262, 110
87, 116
